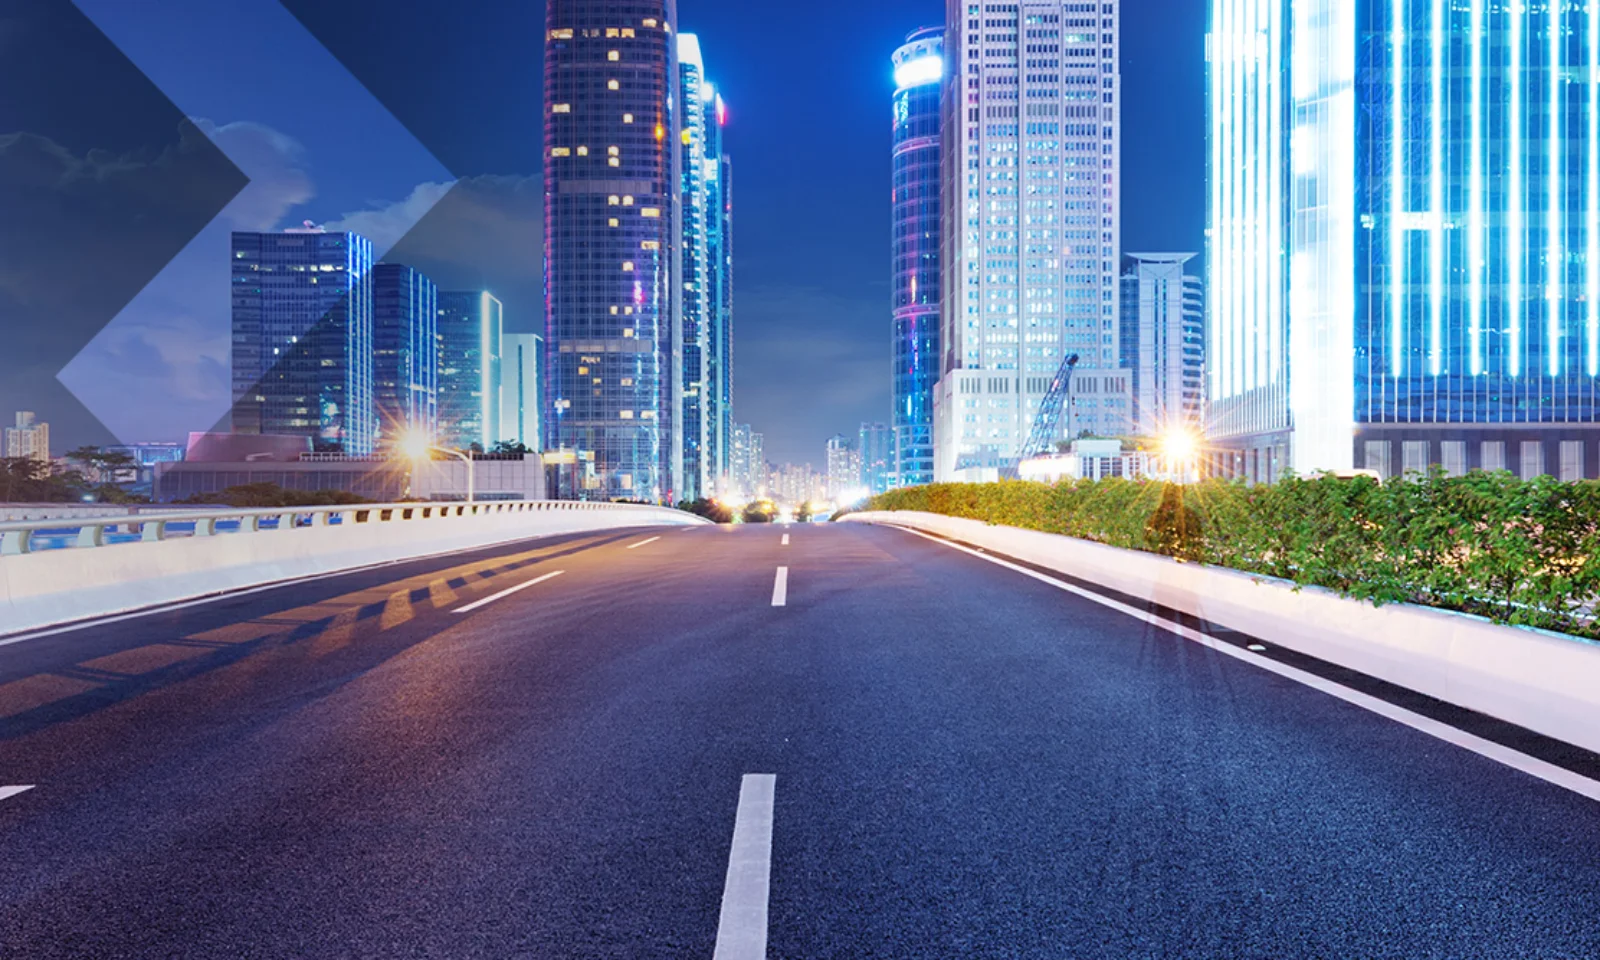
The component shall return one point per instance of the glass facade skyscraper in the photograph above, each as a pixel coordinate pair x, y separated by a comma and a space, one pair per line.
303, 338
1405, 236
471, 324
1031, 244
521, 397
405, 322
719, 297
1163, 342
613, 286
706, 231
697, 306
918, 69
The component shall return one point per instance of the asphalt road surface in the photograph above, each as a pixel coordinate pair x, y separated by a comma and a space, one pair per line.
539, 751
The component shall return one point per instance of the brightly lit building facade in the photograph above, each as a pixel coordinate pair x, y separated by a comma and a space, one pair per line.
1031, 236
1405, 236
470, 328
303, 338
405, 336
918, 70
1163, 342
613, 310
521, 393
706, 229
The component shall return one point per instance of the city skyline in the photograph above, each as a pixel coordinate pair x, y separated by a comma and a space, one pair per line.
809, 360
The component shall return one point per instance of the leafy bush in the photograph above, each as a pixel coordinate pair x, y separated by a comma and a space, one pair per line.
1523, 552
266, 495
710, 509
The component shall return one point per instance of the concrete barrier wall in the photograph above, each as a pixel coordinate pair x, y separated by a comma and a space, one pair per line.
57, 586
1547, 682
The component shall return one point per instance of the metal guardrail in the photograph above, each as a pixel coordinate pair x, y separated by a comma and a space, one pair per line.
17, 537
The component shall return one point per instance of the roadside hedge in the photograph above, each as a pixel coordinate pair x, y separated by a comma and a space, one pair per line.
1523, 552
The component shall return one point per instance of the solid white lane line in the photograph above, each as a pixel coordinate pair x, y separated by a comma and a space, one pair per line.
635, 546
1533, 766
742, 929
507, 592
786, 539
780, 588
7, 793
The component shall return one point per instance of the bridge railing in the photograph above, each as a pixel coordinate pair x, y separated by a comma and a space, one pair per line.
25, 536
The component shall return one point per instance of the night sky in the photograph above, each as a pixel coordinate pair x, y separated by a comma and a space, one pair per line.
809, 94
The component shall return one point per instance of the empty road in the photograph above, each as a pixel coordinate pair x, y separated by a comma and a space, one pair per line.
551, 749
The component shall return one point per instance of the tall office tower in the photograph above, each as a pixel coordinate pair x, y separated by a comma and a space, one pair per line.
1163, 342
471, 325
719, 295
759, 479
1405, 237
739, 462
29, 439
303, 337
918, 68
613, 305
1031, 242
405, 336
844, 466
877, 451
521, 394
694, 230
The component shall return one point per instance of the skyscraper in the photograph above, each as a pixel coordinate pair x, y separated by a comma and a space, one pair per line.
1163, 342
521, 394
614, 312
1031, 242
918, 69
695, 229
739, 462
29, 439
303, 337
877, 451
471, 324
405, 323
719, 296
1405, 237
844, 466
759, 479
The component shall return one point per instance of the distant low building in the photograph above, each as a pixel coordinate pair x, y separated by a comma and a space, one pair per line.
219, 461
1090, 460
29, 439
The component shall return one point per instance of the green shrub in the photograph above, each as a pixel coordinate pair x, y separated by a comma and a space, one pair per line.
1516, 551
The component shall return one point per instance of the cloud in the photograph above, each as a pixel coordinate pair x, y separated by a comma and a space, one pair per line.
484, 232
384, 225
161, 368
275, 164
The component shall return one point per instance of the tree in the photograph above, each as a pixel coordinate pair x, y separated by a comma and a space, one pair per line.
511, 447
759, 511
710, 509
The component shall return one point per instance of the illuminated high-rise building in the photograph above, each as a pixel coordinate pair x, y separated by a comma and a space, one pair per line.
303, 338
405, 325
471, 327
1404, 263
521, 396
1163, 342
719, 298
1031, 243
918, 69
613, 306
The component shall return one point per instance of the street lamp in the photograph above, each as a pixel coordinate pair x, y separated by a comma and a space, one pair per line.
417, 448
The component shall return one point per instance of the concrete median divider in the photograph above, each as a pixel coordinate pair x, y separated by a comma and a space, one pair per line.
46, 588
1548, 683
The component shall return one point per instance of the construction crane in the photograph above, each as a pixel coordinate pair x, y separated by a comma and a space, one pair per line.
1047, 425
